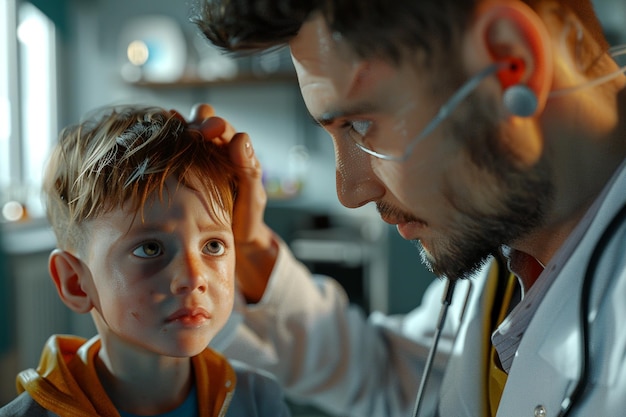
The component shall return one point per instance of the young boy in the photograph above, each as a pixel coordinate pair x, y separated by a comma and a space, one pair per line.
141, 205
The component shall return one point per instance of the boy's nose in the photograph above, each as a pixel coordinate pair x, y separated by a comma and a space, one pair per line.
190, 277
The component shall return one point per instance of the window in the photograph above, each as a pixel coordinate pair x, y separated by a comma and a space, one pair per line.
8, 96
27, 106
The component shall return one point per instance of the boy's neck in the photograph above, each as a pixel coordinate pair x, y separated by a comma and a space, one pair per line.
145, 385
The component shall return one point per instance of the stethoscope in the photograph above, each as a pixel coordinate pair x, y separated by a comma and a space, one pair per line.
578, 392
585, 300
446, 301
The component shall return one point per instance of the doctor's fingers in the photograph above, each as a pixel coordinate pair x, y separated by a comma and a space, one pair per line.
213, 128
201, 111
251, 195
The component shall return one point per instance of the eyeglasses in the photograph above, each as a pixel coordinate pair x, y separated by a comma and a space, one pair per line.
445, 110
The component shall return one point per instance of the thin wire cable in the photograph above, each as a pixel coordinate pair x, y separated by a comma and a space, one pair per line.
445, 303
615, 52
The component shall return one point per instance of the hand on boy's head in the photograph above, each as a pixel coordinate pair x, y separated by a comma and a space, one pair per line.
213, 128
254, 240
251, 195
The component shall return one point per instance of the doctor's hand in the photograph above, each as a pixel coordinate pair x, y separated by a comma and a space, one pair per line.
254, 241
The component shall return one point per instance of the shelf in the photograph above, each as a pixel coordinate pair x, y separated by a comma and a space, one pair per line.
189, 82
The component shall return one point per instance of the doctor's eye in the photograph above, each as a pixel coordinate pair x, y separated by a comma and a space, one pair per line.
214, 248
358, 130
360, 127
148, 250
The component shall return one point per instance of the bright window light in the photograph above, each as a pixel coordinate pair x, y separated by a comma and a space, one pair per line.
8, 92
36, 36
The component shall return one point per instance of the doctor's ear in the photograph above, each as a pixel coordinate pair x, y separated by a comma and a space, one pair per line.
69, 275
512, 35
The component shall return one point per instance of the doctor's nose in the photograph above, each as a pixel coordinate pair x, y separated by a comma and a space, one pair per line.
191, 276
356, 182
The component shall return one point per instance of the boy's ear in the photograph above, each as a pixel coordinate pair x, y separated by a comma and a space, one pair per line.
68, 274
512, 34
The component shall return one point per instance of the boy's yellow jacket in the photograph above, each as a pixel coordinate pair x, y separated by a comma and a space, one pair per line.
66, 383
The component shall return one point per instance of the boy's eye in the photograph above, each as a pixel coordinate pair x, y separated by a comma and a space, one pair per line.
214, 248
148, 250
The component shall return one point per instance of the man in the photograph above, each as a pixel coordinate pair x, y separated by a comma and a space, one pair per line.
485, 130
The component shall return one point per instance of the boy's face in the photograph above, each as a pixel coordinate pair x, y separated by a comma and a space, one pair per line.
164, 284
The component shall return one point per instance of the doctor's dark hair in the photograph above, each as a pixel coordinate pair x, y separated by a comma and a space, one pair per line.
118, 157
374, 28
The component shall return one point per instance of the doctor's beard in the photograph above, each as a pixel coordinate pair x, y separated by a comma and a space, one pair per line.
516, 205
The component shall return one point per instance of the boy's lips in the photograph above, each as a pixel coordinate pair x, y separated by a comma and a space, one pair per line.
192, 316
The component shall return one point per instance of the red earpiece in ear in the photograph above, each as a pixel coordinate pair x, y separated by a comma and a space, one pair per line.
511, 72
517, 98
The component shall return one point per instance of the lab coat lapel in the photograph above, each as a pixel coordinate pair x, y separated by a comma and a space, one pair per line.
547, 360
